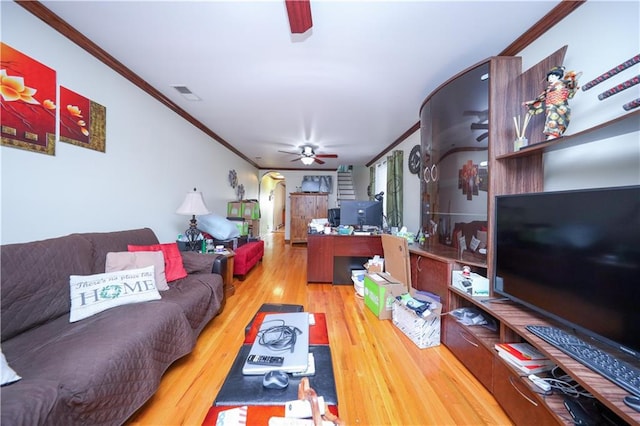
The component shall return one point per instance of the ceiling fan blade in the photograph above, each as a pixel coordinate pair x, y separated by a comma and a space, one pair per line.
295, 159
319, 161
479, 126
289, 152
482, 137
327, 155
299, 12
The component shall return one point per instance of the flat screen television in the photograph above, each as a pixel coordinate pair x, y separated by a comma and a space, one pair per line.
361, 213
574, 256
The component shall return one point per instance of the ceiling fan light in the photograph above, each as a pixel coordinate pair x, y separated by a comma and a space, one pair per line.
307, 161
307, 150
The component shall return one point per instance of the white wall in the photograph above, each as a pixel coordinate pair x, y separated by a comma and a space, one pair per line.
600, 35
153, 157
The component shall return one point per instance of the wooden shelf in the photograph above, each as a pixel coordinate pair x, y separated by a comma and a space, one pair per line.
514, 318
449, 254
622, 125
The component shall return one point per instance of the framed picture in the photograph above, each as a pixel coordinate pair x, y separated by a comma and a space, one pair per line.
28, 102
82, 121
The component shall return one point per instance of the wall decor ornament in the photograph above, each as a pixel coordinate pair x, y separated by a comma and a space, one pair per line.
613, 71
82, 121
415, 160
620, 87
430, 173
240, 192
233, 178
27, 101
468, 179
631, 105
553, 100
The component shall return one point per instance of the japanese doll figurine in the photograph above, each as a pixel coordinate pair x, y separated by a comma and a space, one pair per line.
554, 101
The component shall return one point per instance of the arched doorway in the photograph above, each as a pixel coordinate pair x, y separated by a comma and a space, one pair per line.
272, 195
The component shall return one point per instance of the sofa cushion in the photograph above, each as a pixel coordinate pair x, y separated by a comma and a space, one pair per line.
199, 296
105, 242
35, 280
91, 294
124, 260
196, 263
174, 268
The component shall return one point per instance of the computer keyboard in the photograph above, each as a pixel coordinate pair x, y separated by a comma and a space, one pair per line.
620, 372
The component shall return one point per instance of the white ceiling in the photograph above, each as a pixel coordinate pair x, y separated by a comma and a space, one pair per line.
351, 85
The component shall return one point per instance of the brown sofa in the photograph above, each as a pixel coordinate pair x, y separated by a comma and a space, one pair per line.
99, 370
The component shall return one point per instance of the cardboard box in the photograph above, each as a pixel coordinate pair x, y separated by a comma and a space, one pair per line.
254, 228
234, 209
374, 265
380, 290
243, 227
250, 210
473, 284
423, 331
396, 257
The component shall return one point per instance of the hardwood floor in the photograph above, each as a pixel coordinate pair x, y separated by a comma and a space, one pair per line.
382, 378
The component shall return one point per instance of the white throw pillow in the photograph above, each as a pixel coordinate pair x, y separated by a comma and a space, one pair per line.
8, 375
91, 294
125, 260
218, 227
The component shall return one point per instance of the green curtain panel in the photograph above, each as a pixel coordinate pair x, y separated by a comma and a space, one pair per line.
394, 188
372, 182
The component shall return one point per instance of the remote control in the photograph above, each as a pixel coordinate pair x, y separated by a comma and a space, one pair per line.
265, 360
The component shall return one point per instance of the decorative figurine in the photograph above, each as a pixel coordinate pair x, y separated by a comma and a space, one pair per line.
554, 100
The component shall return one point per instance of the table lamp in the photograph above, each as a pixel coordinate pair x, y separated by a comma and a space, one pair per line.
192, 205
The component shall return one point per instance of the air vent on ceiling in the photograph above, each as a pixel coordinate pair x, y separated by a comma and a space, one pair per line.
186, 93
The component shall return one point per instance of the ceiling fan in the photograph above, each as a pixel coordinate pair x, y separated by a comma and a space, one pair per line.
308, 156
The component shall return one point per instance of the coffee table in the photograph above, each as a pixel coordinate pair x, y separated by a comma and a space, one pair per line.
238, 389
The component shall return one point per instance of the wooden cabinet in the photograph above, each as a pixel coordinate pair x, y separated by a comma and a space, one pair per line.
474, 346
431, 274
320, 258
471, 350
323, 251
518, 399
304, 207
511, 173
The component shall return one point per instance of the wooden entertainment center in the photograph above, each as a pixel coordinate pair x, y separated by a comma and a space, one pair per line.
511, 172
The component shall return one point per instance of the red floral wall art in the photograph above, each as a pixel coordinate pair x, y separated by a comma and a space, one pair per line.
82, 121
27, 102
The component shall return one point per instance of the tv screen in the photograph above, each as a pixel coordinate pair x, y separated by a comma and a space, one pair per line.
361, 213
574, 256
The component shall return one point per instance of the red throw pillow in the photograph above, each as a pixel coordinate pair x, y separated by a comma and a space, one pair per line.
174, 268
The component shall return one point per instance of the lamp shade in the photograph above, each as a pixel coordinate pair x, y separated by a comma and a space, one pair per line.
193, 204
307, 160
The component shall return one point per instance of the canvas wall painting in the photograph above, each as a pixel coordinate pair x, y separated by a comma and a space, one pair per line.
27, 102
82, 121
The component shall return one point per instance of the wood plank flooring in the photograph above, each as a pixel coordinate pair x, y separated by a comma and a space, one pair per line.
382, 378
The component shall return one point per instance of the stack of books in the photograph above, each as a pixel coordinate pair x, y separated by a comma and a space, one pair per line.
524, 357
